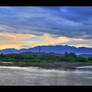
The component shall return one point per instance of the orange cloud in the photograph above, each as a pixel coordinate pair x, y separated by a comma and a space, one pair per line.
13, 40
56, 40
50, 40
16, 36
81, 45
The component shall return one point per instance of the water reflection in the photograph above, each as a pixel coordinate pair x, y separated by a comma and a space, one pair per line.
38, 76
12, 67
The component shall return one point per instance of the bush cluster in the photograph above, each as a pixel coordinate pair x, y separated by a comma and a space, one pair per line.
43, 57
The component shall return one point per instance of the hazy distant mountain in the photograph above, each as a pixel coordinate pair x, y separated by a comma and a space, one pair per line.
59, 49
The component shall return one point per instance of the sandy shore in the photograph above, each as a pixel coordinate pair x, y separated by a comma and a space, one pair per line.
45, 65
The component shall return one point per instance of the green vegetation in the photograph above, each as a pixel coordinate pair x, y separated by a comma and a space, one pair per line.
50, 57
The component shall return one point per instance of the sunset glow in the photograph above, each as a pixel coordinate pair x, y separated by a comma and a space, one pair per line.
27, 27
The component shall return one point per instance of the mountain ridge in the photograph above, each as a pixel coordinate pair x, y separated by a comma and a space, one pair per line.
58, 49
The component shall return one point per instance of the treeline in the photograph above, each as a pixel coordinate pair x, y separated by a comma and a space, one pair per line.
72, 57
50, 57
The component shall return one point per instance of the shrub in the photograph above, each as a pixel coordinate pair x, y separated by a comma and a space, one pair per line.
82, 59
90, 58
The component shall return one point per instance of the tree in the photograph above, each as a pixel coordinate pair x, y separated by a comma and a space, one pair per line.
66, 54
90, 58
72, 55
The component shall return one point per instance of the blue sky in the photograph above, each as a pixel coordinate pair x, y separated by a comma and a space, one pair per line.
32, 26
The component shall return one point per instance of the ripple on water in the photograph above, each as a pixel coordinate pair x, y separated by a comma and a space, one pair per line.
39, 76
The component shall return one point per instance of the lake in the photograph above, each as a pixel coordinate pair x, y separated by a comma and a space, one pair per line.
28, 76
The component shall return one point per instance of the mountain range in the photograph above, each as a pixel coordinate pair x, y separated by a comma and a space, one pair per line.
58, 49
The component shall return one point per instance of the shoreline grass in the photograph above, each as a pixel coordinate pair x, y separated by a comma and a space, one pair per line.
67, 60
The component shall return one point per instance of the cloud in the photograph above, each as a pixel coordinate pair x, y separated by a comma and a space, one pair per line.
13, 40
66, 21
48, 39
79, 43
48, 25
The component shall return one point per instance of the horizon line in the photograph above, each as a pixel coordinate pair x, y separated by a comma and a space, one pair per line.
47, 45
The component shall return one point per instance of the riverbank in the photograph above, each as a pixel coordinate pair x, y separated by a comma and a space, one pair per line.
55, 65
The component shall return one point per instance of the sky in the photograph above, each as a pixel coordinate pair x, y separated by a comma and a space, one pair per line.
29, 26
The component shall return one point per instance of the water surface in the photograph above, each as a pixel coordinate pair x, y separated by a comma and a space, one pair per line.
37, 76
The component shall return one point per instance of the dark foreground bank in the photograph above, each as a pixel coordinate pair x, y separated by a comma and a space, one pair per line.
66, 65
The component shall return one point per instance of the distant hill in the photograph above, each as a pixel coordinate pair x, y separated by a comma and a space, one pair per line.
59, 49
